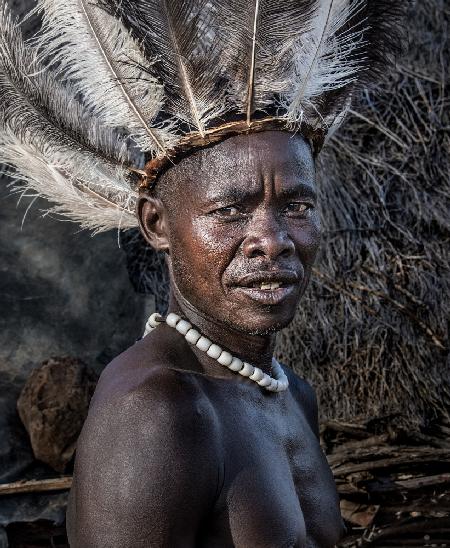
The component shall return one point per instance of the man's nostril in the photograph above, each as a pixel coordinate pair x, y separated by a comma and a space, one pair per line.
287, 252
256, 253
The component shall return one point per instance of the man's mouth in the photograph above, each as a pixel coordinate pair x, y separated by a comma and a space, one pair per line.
269, 288
266, 286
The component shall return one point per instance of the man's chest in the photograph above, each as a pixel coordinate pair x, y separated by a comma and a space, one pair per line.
276, 486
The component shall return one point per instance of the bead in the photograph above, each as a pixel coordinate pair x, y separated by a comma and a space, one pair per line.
265, 381
282, 386
154, 320
172, 319
247, 370
225, 358
192, 336
273, 386
283, 379
277, 371
203, 343
183, 327
257, 374
278, 383
214, 351
236, 364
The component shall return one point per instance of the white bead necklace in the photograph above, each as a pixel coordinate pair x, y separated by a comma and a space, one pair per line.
278, 383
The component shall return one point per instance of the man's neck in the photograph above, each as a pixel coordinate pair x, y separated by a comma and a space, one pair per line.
255, 349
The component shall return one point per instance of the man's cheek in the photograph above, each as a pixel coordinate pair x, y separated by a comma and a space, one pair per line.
213, 240
197, 263
307, 242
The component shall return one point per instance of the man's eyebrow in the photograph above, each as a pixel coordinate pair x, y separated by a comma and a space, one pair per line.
237, 195
229, 195
302, 189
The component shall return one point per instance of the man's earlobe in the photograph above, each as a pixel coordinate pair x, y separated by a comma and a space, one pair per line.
152, 217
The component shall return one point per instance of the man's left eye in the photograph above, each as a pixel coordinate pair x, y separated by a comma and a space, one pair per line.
299, 207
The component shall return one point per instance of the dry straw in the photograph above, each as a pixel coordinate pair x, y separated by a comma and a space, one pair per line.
372, 333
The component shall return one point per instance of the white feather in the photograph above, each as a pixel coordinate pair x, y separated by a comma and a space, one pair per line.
95, 51
84, 202
325, 61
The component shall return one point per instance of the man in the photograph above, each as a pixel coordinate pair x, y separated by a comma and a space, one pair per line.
196, 436
177, 450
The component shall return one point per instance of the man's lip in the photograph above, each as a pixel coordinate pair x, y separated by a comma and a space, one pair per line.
266, 296
249, 286
251, 280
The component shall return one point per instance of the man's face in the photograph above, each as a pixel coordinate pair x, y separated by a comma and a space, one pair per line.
244, 229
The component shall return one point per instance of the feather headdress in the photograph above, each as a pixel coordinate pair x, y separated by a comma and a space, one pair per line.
111, 92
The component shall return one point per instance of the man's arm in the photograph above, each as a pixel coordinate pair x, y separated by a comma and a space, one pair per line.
146, 469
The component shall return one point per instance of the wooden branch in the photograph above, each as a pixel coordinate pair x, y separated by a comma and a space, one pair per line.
36, 486
365, 453
426, 481
412, 457
356, 445
357, 430
416, 527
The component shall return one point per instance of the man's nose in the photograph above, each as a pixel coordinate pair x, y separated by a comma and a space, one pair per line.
266, 238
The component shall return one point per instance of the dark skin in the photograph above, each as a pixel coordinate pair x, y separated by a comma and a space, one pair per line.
178, 451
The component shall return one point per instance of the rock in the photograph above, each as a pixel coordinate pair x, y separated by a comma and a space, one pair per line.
53, 406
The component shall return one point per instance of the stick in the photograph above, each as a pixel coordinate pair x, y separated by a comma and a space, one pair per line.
36, 486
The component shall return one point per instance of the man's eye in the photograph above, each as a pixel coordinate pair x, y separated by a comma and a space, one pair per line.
229, 211
299, 207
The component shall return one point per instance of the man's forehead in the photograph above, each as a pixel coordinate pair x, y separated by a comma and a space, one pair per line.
271, 148
242, 163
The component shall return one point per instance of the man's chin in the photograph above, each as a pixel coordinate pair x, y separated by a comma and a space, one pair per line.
262, 325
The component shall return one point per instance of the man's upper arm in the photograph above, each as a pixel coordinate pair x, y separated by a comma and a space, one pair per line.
145, 470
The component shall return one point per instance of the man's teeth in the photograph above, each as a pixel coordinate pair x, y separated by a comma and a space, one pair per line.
270, 285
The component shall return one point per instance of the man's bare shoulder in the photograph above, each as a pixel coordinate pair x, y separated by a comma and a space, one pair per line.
150, 432
146, 388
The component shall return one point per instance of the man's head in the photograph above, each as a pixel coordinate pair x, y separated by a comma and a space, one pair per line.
241, 228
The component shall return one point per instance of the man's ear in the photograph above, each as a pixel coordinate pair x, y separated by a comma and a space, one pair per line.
152, 217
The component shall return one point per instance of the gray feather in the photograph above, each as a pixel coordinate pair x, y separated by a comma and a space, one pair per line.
154, 74
92, 49
259, 40
51, 143
180, 36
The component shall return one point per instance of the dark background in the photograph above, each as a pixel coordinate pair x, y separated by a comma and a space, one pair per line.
62, 293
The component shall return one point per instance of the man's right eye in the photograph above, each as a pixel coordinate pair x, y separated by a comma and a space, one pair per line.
228, 211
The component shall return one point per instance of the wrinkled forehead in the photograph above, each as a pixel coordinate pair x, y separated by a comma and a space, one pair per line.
245, 162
